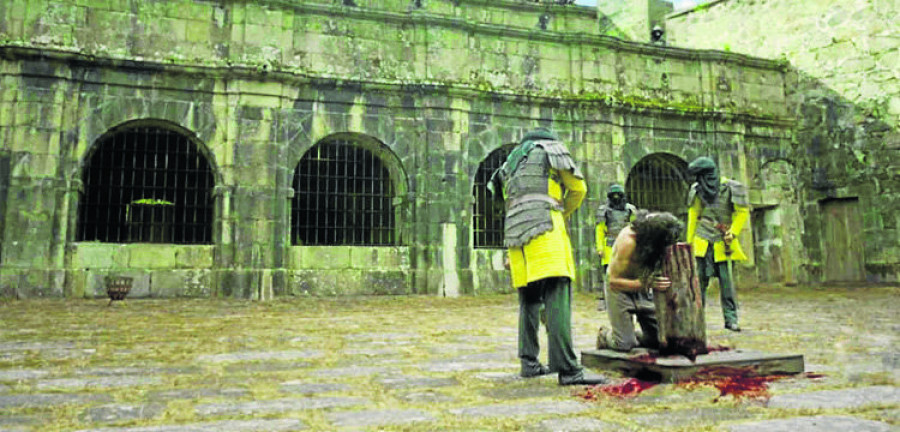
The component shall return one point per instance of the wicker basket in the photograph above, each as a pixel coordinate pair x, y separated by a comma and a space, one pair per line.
117, 287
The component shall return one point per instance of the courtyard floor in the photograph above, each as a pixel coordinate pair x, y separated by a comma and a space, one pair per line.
419, 363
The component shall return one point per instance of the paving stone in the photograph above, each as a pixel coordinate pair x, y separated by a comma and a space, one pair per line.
276, 425
97, 382
117, 371
65, 354
4, 388
426, 397
516, 410
313, 388
371, 352
22, 374
378, 417
678, 418
574, 425
817, 423
845, 398
277, 405
380, 336
15, 423
35, 346
47, 399
198, 394
257, 356
493, 356
414, 382
257, 367
111, 413
538, 391
353, 371
444, 366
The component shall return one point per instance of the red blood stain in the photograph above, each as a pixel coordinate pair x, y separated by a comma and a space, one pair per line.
717, 348
737, 382
630, 388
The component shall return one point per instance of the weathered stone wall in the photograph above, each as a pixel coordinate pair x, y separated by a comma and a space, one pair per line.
256, 84
844, 90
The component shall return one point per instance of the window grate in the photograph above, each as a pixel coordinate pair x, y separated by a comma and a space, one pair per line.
488, 212
659, 182
343, 196
146, 184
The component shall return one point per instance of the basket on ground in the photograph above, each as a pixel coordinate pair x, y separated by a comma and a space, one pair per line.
117, 287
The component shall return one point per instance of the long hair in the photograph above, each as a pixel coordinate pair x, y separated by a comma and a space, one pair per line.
654, 232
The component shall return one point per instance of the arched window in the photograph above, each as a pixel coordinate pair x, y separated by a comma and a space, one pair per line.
488, 212
146, 184
343, 195
659, 182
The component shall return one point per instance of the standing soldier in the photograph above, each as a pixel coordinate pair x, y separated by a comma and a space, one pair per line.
611, 217
718, 208
542, 187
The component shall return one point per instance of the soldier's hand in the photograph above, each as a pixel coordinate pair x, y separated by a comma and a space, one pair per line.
661, 283
729, 237
506, 262
600, 253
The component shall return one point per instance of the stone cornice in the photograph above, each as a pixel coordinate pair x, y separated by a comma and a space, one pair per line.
80, 60
423, 17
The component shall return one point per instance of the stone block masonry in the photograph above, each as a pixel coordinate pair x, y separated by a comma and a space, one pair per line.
429, 91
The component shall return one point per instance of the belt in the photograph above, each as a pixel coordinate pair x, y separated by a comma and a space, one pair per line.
554, 203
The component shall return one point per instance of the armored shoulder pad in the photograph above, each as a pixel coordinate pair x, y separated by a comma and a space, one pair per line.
692, 194
631, 209
739, 194
559, 157
601, 212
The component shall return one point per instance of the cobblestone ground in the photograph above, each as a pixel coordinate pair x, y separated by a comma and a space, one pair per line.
416, 363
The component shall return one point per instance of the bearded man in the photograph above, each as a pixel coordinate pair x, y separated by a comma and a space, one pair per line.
611, 217
634, 273
542, 187
718, 209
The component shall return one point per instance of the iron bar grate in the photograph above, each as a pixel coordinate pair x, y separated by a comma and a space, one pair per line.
488, 212
343, 196
659, 182
146, 184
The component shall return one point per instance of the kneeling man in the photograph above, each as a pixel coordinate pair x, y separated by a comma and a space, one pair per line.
633, 275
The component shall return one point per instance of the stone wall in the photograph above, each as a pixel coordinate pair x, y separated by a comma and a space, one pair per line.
256, 84
844, 90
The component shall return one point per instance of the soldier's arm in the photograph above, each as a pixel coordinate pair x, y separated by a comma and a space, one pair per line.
618, 265
739, 218
576, 189
693, 212
600, 236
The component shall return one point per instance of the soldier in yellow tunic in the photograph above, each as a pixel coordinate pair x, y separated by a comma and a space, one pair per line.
611, 217
718, 209
542, 186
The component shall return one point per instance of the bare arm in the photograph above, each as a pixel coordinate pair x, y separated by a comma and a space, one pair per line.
619, 264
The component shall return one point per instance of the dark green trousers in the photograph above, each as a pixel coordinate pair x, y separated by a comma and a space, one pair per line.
556, 296
707, 269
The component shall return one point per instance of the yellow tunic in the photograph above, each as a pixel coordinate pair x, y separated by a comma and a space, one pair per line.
738, 220
550, 254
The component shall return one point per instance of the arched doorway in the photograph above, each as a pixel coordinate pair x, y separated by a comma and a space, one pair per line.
659, 182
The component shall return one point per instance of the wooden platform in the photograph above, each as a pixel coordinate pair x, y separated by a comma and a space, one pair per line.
640, 363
